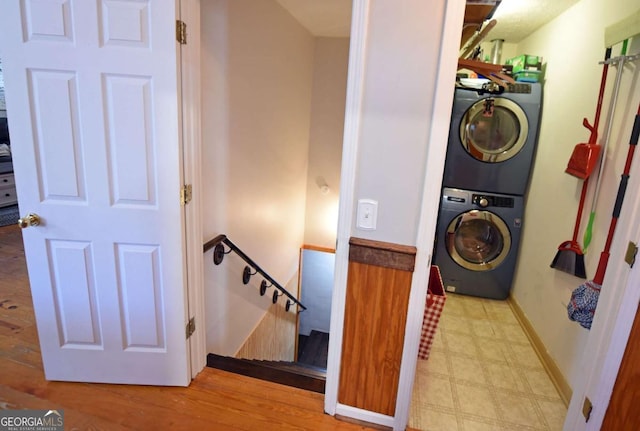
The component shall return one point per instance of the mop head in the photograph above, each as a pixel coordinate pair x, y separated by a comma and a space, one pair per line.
570, 259
584, 300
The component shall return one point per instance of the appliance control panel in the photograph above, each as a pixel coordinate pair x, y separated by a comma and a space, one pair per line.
519, 87
484, 201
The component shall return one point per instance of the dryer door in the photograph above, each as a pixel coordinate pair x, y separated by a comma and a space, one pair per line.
478, 240
494, 129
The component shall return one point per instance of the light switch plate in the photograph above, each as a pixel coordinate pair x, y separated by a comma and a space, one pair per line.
367, 214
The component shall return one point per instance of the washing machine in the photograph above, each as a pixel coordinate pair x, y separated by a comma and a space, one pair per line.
477, 240
492, 139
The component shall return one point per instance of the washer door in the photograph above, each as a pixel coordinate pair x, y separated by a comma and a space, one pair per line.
494, 130
478, 240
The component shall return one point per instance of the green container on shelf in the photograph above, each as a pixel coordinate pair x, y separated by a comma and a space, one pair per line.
525, 62
528, 76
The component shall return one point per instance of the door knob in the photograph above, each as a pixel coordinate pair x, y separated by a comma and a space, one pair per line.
29, 220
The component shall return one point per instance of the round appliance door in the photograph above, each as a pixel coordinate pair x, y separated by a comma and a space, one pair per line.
494, 130
478, 240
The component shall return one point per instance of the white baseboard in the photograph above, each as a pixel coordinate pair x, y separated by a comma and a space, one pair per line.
348, 412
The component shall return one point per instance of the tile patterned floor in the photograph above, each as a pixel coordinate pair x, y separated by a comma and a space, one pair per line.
483, 374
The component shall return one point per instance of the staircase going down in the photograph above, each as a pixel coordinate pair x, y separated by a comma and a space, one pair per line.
308, 373
286, 373
313, 349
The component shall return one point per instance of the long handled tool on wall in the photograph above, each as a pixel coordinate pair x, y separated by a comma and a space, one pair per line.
584, 299
588, 232
569, 257
585, 156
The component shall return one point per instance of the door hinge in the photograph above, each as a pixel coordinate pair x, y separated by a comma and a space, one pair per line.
630, 255
586, 409
181, 32
191, 327
186, 193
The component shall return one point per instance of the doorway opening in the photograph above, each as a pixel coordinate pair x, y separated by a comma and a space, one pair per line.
274, 90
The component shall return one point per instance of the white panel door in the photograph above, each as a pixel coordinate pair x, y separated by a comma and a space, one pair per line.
92, 100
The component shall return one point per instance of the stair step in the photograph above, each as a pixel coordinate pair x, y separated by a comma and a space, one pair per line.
315, 350
297, 367
286, 373
302, 341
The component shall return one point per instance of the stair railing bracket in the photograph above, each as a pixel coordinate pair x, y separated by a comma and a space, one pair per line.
275, 297
250, 270
264, 286
246, 274
218, 254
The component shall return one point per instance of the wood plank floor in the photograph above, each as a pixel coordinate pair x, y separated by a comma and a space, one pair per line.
216, 400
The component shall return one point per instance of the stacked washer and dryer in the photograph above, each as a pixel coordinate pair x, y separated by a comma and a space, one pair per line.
490, 152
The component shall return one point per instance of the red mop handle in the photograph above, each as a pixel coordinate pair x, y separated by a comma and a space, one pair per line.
594, 129
604, 256
603, 79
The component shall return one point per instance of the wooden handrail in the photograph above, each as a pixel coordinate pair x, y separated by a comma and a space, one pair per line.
212, 243
216, 244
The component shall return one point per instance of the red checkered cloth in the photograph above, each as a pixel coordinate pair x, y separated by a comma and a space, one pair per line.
432, 312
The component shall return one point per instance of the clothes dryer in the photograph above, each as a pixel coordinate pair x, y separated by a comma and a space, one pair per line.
477, 241
492, 139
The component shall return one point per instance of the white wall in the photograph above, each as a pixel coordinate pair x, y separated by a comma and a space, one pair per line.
572, 45
389, 124
257, 65
403, 42
317, 288
325, 146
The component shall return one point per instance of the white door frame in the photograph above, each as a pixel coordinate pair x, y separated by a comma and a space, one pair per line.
443, 100
192, 174
611, 326
346, 208
434, 171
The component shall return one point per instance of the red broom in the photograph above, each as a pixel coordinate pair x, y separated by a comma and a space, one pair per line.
570, 257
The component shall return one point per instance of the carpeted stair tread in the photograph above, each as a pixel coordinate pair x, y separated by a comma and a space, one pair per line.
315, 350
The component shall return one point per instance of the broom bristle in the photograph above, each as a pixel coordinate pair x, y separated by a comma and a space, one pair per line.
570, 262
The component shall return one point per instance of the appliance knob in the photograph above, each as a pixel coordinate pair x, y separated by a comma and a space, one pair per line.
483, 202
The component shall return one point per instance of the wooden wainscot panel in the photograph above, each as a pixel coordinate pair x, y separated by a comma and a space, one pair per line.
378, 287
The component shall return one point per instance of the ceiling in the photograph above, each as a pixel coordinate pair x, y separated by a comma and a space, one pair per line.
516, 19
323, 18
